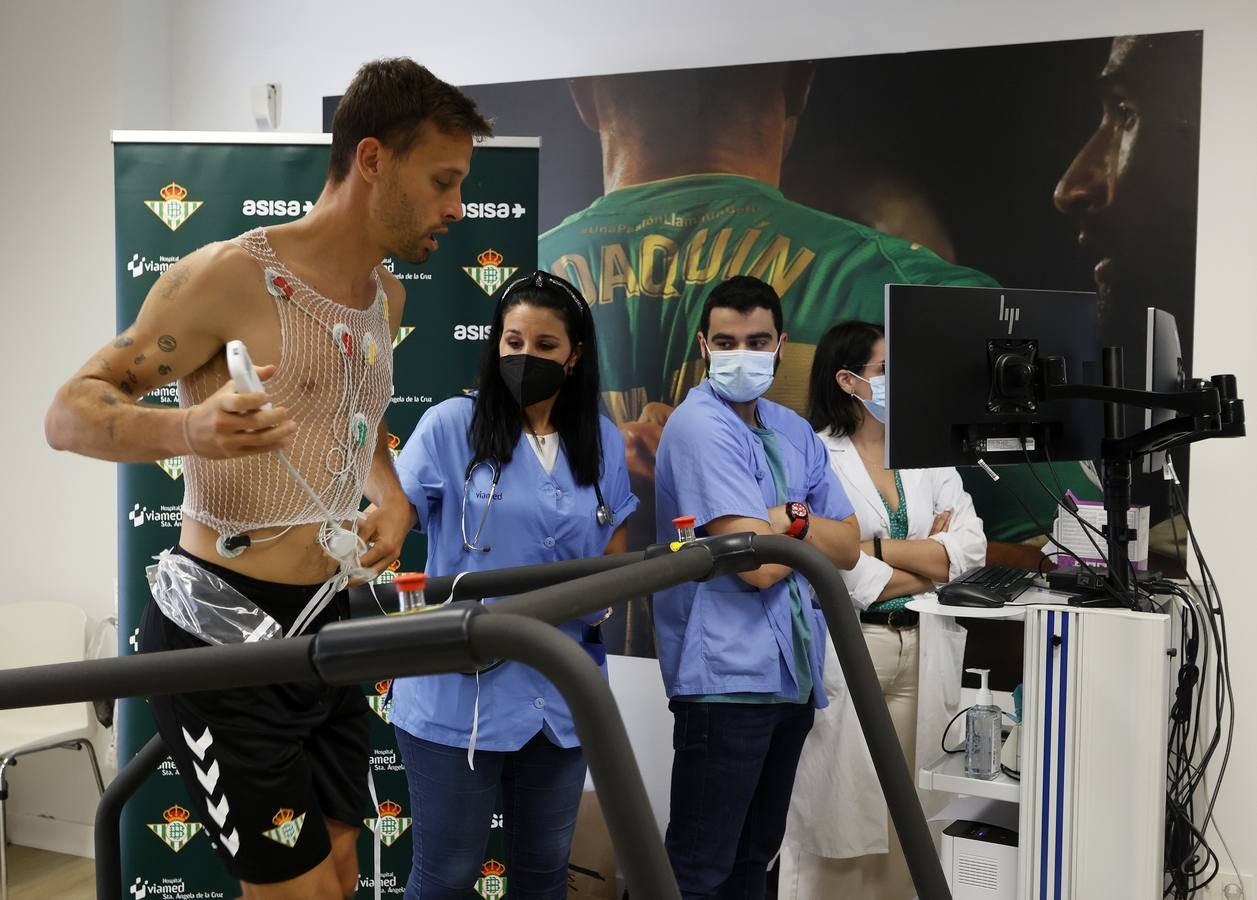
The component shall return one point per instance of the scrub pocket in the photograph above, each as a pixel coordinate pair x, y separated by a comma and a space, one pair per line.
737, 637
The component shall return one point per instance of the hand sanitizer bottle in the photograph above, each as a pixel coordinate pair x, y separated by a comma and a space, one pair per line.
982, 733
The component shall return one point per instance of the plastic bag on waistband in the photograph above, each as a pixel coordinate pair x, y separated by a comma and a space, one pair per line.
204, 605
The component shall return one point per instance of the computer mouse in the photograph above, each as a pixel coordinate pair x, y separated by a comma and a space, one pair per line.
964, 594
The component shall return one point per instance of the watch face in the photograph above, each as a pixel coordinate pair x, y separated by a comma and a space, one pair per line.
796, 510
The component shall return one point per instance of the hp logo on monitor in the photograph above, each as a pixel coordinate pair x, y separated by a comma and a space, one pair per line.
1009, 314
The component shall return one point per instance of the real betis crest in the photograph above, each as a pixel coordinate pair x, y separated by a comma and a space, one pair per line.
287, 828
172, 466
390, 825
176, 831
490, 274
403, 332
173, 208
386, 577
492, 881
378, 701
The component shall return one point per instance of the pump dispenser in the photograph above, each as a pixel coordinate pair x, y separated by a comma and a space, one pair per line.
982, 733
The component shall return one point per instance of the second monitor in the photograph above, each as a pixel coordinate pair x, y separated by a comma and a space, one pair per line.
960, 371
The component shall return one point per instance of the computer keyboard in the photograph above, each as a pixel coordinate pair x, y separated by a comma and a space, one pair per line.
998, 583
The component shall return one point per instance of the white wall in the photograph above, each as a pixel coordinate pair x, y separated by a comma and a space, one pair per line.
63, 65
75, 70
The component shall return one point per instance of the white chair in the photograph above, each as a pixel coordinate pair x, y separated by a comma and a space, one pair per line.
36, 634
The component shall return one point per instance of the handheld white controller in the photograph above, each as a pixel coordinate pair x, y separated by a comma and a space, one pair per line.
240, 365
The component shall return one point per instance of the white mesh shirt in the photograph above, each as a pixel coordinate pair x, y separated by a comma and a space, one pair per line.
335, 377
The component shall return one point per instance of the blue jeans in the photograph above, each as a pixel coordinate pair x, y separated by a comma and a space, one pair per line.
732, 774
453, 807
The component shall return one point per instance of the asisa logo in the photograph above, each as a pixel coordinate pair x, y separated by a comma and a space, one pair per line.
472, 332
494, 210
289, 208
174, 208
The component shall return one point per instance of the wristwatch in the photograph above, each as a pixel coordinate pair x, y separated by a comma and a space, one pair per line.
799, 519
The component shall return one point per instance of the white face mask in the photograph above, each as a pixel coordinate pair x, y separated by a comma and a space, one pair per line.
876, 405
741, 375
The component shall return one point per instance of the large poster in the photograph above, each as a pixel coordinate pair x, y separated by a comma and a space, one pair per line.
1068, 165
175, 193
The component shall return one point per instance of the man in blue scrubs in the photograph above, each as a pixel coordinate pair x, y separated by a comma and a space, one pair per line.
741, 655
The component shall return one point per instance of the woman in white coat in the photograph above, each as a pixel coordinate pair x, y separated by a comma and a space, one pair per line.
917, 529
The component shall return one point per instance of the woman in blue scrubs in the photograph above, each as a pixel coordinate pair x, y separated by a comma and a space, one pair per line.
524, 472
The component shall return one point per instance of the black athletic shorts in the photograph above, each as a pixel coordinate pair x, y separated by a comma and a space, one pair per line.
266, 766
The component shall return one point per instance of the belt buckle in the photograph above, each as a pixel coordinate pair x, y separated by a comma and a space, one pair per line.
900, 619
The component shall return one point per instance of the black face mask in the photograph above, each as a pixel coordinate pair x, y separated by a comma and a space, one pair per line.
531, 379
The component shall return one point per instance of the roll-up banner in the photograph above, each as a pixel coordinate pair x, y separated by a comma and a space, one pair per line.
175, 192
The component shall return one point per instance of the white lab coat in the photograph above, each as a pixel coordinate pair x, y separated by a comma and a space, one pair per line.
837, 809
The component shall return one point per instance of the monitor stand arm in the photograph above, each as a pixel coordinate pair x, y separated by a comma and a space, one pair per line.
1211, 409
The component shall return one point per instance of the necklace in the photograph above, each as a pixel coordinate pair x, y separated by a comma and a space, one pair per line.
540, 439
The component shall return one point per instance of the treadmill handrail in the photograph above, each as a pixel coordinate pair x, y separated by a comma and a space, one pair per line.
313, 658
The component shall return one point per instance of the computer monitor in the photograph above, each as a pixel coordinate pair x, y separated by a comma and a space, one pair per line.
1164, 372
943, 345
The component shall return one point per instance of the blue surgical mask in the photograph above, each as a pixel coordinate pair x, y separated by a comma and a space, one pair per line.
741, 375
876, 405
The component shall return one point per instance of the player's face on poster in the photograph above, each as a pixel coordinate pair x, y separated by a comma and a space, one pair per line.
1132, 185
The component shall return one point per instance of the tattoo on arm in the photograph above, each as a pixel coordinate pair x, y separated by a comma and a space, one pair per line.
163, 370
123, 341
108, 399
172, 282
166, 343
139, 359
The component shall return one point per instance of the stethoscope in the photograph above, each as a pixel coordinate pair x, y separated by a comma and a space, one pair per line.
603, 513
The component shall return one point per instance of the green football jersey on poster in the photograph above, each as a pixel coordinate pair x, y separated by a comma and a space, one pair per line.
646, 256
